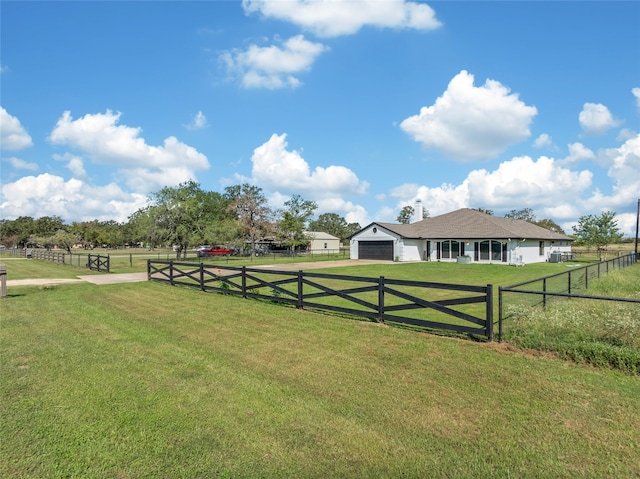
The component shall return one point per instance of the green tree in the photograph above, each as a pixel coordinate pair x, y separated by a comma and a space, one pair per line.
335, 225
182, 215
47, 226
526, 214
599, 231
550, 225
292, 226
407, 213
248, 205
485, 211
17, 232
64, 239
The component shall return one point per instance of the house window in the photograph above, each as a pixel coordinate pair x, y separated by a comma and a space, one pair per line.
325, 246
496, 251
455, 249
450, 249
541, 248
446, 246
484, 250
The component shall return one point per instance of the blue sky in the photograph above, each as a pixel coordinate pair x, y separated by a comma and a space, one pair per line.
362, 106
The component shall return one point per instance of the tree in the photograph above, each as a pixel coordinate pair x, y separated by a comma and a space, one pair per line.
526, 214
485, 211
48, 225
248, 205
291, 228
180, 215
17, 232
335, 225
64, 239
406, 215
598, 231
550, 225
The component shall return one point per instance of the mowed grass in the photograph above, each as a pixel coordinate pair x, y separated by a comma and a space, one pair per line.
145, 380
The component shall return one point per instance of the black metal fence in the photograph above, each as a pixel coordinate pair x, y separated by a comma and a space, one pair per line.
450, 307
565, 285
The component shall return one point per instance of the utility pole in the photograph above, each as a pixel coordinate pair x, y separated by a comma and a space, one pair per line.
637, 223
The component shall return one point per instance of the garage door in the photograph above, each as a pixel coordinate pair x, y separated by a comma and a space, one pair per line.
375, 250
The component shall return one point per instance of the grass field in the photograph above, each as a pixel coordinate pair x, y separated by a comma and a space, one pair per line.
145, 380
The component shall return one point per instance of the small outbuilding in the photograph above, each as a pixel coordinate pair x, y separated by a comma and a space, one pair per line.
464, 235
321, 242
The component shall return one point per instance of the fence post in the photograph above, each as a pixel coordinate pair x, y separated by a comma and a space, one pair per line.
202, 276
489, 314
499, 314
569, 281
544, 290
148, 269
381, 299
130, 260
171, 273
3, 280
300, 302
244, 282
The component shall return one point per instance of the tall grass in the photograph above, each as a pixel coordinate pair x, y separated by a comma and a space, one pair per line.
601, 333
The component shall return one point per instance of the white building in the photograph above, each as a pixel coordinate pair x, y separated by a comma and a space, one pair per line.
463, 235
320, 242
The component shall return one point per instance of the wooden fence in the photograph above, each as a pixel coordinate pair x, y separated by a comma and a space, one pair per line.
451, 307
96, 262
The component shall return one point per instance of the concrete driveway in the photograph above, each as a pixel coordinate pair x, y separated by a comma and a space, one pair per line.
101, 279
94, 279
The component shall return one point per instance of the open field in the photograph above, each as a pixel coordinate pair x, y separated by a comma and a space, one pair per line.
146, 380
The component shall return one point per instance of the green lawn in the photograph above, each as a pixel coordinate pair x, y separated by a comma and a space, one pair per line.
145, 380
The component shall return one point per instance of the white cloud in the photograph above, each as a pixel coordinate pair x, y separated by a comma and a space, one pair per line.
624, 165
144, 168
468, 122
578, 152
20, 164
272, 67
48, 195
198, 123
636, 93
596, 119
12, 135
543, 141
436, 201
544, 185
277, 169
331, 18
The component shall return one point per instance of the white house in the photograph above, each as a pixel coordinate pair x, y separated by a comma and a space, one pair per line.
320, 242
467, 234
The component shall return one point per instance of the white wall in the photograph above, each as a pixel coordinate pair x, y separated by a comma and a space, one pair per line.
412, 250
367, 234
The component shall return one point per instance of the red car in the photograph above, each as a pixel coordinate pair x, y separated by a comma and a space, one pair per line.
214, 251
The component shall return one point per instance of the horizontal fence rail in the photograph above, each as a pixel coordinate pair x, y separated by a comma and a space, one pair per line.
564, 285
451, 307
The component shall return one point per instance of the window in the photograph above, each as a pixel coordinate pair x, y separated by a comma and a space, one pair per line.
484, 250
455, 249
541, 248
496, 251
325, 246
446, 246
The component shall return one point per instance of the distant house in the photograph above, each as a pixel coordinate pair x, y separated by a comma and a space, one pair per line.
463, 235
320, 242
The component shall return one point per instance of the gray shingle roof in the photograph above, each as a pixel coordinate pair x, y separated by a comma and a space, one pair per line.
471, 224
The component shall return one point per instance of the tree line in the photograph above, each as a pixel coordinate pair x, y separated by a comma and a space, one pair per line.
185, 216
